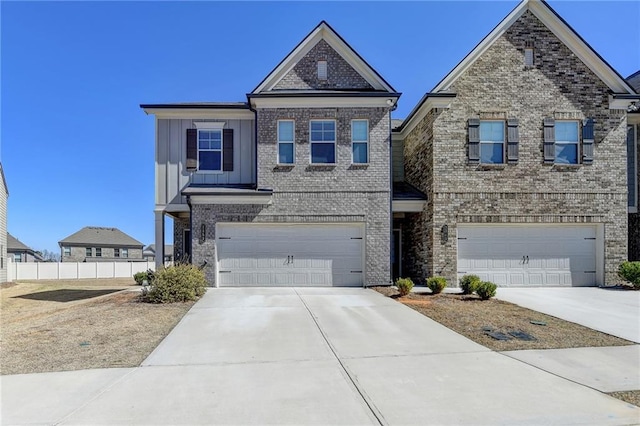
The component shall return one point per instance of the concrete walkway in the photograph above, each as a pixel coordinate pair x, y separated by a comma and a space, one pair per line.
310, 356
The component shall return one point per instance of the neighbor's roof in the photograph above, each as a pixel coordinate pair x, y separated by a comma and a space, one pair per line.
98, 236
14, 244
168, 248
634, 80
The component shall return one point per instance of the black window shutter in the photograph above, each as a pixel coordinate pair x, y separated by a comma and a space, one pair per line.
587, 141
192, 149
227, 150
474, 141
549, 140
513, 139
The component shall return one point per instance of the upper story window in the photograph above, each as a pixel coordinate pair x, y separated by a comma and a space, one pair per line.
286, 145
116, 252
98, 252
88, 252
567, 139
322, 70
491, 142
124, 253
360, 141
210, 149
322, 137
17, 257
66, 251
632, 168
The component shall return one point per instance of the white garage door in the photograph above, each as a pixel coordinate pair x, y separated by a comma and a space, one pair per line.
529, 255
289, 255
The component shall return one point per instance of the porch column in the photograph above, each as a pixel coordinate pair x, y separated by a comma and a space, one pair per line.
159, 238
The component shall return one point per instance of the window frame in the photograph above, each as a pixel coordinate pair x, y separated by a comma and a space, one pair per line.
577, 143
66, 251
322, 70
292, 142
367, 142
124, 253
88, 252
98, 252
210, 129
17, 257
488, 142
116, 252
634, 145
334, 142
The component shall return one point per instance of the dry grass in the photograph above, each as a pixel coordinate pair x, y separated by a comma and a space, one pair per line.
470, 316
72, 325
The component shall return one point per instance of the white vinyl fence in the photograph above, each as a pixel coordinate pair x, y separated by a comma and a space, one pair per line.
74, 270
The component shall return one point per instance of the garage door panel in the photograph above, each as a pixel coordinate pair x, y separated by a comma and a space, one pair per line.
288, 255
553, 255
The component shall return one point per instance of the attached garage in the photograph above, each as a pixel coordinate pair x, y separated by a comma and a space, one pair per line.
532, 255
314, 255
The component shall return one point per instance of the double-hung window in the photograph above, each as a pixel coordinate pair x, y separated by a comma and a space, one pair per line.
66, 251
98, 252
210, 150
124, 252
491, 142
116, 252
87, 252
323, 141
567, 140
286, 145
360, 141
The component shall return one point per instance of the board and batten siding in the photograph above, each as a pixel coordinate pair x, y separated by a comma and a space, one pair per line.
171, 157
397, 153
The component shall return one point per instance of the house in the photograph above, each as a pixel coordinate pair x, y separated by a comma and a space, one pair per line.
512, 167
98, 244
149, 252
633, 174
4, 194
521, 151
20, 252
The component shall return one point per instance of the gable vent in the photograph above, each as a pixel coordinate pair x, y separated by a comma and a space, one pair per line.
322, 70
528, 54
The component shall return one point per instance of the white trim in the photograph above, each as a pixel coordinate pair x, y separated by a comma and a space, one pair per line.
368, 141
209, 125
335, 142
577, 143
323, 32
230, 199
407, 206
292, 142
197, 113
504, 141
323, 102
429, 104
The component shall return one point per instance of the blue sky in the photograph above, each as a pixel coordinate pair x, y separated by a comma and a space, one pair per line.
78, 151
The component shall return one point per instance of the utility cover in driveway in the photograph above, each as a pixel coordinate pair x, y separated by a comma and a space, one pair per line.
529, 255
289, 254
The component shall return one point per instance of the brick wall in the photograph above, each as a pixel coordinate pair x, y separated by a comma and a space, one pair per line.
498, 85
78, 254
340, 75
179, 226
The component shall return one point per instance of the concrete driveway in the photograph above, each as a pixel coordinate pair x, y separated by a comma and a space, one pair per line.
310, 356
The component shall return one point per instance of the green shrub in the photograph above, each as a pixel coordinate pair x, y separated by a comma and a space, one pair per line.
436, 284
468, 283
178, 283
630, 271
486, 290
404, 286
141, 276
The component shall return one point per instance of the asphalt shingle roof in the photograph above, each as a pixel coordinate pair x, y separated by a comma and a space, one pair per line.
98, 236
15, 244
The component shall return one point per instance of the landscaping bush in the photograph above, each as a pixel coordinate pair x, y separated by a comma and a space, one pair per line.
630, 271
436, 284
486, 290
178, 283
404, 286
468, 283
141, 276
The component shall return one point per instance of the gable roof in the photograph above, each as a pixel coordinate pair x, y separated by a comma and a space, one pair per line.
4, 180
151, 248
556, 24
98, 236
634, 80
323, 31
14, 244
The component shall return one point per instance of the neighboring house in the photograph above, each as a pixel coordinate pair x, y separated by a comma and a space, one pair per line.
633, 175
97, 244
512, 167
521, 151
4, 194
149, 252
20, 252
